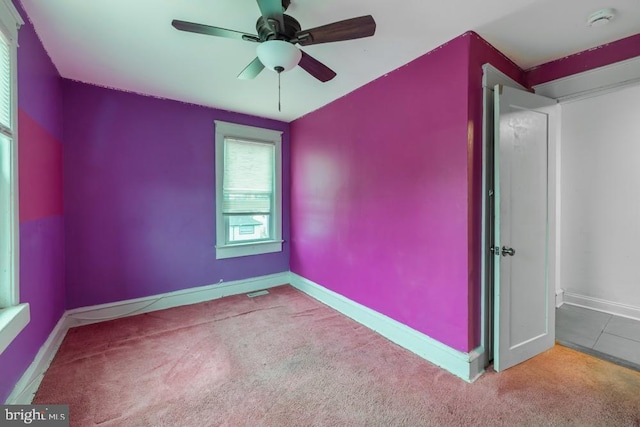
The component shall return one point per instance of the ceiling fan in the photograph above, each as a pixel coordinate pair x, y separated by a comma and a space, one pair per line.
278, 35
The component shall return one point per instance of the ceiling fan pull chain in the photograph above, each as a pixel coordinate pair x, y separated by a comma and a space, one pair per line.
279, 70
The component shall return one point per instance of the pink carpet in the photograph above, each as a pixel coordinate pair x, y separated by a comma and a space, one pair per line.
285, 359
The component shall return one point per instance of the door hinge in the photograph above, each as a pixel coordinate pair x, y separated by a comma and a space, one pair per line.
495, 250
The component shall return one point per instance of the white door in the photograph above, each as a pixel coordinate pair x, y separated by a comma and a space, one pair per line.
523, 293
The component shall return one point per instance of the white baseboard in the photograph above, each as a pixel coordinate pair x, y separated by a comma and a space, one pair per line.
468, 366
102, 312
559, 297
28, 384
610, 307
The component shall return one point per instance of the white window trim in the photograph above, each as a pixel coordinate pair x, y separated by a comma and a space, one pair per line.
230, 130
14, 317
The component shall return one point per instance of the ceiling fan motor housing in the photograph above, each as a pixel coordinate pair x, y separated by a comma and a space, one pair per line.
278, 35
266, 28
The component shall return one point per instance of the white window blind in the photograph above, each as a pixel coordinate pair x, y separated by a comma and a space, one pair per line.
5, 85
248, 181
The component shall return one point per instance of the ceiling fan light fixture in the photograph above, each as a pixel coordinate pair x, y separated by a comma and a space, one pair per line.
278, 55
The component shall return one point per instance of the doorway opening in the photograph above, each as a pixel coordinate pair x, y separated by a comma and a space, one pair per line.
599, 302
575, 87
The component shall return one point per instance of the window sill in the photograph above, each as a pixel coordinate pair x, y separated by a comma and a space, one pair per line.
12, 321
246, 249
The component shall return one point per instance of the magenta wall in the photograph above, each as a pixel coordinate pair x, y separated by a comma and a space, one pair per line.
386, 186
386, 192
587, 60
40, 204
379, 195
139, 197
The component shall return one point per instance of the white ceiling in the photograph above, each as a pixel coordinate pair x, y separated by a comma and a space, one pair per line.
131, 45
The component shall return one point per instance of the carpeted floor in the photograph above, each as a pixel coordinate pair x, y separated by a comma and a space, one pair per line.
284, 359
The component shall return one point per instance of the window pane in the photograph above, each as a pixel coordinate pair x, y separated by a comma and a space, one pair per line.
6, 291
5, 169
5, 83
243, 228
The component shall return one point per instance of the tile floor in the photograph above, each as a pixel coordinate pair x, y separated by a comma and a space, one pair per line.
604, 335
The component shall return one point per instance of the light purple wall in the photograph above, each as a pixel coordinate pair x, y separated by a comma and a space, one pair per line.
139, 197
379, 195
41, 219
587, 60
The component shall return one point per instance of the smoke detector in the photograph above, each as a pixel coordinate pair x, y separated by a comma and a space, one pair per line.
601, 17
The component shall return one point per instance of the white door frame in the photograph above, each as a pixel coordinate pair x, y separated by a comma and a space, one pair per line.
491, 76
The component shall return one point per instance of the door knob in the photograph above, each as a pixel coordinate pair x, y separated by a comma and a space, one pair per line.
508, 251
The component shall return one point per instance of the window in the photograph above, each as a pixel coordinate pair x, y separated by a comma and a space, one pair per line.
13, 316
248, 190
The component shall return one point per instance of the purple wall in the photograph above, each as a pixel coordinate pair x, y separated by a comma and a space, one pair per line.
40, 204
139, 197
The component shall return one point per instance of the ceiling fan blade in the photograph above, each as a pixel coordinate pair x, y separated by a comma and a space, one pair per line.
349, 29
252, 70
316, 68
272, 10
212, 31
